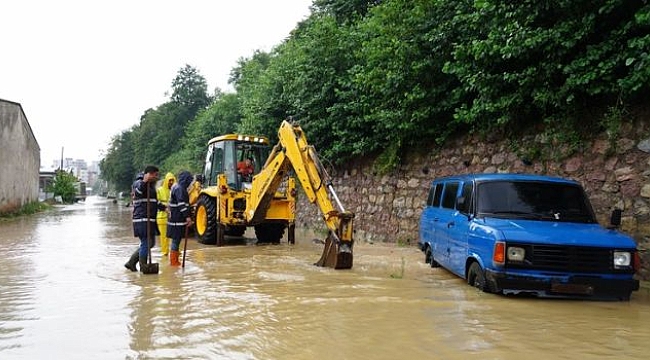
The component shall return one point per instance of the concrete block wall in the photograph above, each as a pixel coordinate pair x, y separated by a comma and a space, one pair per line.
19, 158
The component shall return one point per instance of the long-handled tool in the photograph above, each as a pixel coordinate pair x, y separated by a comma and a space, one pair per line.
187, 229
149, 267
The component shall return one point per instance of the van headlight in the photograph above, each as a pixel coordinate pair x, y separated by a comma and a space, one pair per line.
622, 259
516, 253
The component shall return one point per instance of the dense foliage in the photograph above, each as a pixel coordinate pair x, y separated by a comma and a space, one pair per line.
158, 138
384, 77
63, 185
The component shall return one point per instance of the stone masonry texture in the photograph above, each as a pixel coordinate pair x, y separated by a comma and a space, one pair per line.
615, 174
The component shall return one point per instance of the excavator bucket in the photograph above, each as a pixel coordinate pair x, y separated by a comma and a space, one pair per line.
336, 254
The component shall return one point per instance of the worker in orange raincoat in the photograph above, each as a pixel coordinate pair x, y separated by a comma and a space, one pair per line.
163, 193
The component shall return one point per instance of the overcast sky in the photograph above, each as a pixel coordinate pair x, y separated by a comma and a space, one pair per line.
84, 70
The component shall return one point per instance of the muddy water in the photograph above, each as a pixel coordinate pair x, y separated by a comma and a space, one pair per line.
64, 293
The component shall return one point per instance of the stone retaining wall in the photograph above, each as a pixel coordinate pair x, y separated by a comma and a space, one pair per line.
387, 207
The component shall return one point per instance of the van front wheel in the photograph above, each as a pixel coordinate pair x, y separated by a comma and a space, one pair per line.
476, 277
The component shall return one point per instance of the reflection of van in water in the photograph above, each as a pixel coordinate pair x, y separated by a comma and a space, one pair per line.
531, 234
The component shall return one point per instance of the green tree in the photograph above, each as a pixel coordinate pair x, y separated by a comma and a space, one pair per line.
345, 10
250, 78
117, 165
190, 89
382, 77
64, 186
159, 134
523, 62
398, 95
157, 138
306, 75
222, 117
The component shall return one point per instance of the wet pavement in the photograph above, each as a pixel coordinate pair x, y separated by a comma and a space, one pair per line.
65, 294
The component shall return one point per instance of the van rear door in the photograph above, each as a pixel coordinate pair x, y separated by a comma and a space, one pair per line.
445, 222
429, 217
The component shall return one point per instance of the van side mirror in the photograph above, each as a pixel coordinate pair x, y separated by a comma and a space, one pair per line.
615, 219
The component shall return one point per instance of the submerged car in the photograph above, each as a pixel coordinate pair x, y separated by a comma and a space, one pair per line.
526, 234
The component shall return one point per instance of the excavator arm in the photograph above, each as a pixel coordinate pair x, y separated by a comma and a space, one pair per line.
293, 152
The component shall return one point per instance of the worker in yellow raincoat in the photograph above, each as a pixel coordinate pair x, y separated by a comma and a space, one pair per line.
163, 193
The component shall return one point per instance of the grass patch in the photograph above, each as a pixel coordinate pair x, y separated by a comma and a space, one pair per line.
27, 209
400, 273
403, 242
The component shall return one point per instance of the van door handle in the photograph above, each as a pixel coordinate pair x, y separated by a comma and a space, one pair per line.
450, 224
435, 219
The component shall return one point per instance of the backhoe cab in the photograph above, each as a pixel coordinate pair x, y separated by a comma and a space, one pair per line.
261, 192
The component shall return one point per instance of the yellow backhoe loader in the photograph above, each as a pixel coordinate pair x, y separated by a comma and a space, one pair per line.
248, 184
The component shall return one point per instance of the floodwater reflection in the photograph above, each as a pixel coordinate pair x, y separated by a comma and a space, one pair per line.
66, 294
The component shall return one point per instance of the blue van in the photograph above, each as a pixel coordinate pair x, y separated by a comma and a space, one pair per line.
526, 234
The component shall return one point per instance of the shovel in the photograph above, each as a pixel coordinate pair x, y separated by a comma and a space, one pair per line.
149, 267
187, 229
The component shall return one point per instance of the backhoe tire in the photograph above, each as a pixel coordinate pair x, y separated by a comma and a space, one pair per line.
206, 220
269, 233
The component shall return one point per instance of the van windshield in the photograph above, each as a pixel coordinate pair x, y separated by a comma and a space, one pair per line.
533, 200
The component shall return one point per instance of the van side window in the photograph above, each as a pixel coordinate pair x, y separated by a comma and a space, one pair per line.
437, 196
431, 192
467, 194
449, 195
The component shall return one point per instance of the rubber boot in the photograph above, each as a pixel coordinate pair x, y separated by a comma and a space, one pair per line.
173, 258
143, 261
164, 240
132, 261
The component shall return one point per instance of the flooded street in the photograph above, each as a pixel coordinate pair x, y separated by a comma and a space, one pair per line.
66, 294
